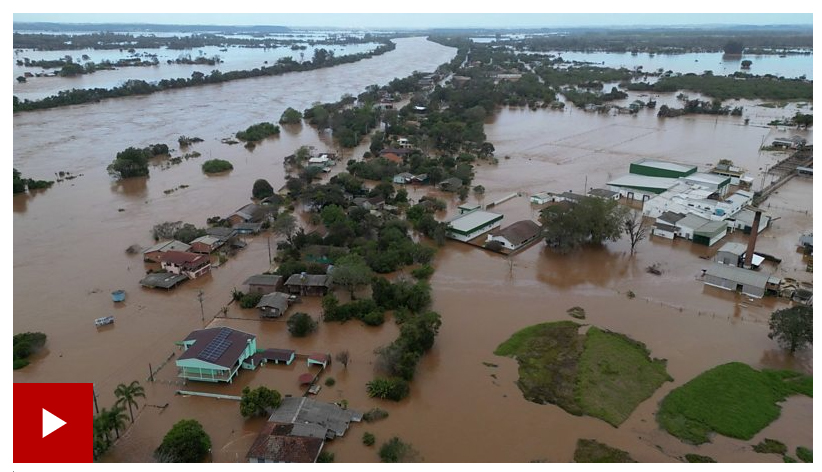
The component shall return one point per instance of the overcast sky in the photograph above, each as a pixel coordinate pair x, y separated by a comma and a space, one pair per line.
425, 20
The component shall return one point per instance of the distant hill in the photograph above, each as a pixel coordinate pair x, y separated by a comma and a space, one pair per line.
146, 28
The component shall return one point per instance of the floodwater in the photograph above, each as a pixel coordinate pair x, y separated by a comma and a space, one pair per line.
791, 66
233, 59
69, 244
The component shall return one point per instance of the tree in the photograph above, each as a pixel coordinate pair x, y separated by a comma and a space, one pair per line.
186, 441
792, 327
301, 324
257, 402
733, 48
291, 117
746, 64
215, 166
285, 225
128, 394
804, 120
262, 189
343, 357
116, 419
394, 450
636, 228
592, 220
351, 272
132, 162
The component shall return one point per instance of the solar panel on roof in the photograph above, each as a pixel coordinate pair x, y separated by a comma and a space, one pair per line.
216, 347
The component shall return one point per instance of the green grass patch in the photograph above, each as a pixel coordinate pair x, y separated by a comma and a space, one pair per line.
615, 375
733, 400
600, 374
771, 446
589, 450
697, 459
804, 454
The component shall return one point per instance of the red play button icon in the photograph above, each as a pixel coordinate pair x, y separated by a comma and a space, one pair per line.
53, 422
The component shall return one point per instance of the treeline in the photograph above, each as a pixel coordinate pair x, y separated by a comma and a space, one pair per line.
738, 85
141, 87
21, 184
109, 40
699, 107
669, 40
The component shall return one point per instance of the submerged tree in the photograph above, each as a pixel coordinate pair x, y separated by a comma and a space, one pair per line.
592, 220
792, 327
186, 441
257, 402
636, 228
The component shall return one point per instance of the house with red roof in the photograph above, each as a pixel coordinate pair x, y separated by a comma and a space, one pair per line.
186, 263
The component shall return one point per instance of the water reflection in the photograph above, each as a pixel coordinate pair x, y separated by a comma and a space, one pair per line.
21, 202
135, 187
596, 265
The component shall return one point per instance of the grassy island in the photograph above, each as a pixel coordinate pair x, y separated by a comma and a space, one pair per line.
601, 374
733, 400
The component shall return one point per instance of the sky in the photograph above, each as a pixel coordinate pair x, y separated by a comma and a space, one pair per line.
421, 20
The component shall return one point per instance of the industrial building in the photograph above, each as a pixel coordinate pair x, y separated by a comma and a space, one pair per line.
468, 226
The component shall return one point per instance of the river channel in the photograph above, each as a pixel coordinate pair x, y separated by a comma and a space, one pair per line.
70, 241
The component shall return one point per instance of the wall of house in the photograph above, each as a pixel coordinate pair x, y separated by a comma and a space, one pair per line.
476, 232
732, 285
663, 233
727, 258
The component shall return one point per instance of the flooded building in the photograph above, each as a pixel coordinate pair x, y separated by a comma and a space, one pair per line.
273, 305
468, 226
155, 253
206, 244
733, 254
640, 187
516, 235
164, 280
604, 194
308, 284
263, 283
215, 354
656, 168
733, 278
744, 221
186, 263
665, 225
276, 443
251, 213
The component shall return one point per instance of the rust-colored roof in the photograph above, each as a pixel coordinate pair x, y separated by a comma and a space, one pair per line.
391, 156
319, 357
185, 259
276, 444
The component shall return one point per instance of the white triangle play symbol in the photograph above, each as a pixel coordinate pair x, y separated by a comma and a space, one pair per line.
51, 423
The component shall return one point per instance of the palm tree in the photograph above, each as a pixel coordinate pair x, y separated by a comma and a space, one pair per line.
127, 394
101, 427
116, 419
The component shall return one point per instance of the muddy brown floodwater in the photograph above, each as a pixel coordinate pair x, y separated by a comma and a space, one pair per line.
69, 254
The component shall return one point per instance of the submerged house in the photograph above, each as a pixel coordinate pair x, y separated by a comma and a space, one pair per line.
186, 263
516, 235
273, 305
263, 283
206, 244
215, 354
308, 284
276, 443
155, 253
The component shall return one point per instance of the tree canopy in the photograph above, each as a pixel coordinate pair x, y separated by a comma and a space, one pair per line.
186, 441
257, 402
301, 324
132, 162
592, 220
262, 189
351, 272
792, 327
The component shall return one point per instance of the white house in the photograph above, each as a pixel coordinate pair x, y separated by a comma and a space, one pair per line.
468, 226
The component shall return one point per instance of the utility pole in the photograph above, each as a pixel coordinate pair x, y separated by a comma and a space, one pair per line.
268, 238
94, 394
200, 299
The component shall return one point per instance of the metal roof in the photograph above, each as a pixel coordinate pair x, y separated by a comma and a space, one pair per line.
219, 346
738, 275
162, 280
665, 165
711, 228
734, 248
309, 280
691, 221
276, 300
172, 245
469, 222
712, 179
263, 279
644, 181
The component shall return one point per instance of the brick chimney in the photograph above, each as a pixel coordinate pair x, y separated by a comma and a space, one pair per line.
748, 264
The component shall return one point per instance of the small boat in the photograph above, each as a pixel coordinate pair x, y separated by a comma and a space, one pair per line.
106, 320
118, 295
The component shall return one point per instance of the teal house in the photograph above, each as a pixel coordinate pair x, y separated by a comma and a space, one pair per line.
216, 354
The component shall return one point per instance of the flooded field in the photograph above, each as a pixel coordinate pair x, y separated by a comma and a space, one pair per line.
69, 244
233, 58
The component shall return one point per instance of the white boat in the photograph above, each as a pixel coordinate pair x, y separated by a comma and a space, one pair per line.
106, 320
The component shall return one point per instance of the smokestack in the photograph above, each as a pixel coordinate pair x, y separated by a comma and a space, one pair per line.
752, 241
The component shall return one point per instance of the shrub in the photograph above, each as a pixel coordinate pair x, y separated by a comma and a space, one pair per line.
325, 457
186, 441
301, 324
374, 414
329, 382
397, 451
804, 454
291, 116
368, 439
422, 273
258, 132
696, 458
388, 388
250, 300
214, 166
